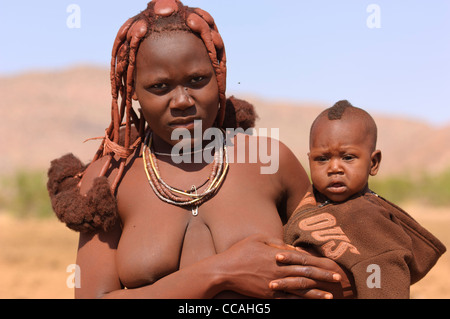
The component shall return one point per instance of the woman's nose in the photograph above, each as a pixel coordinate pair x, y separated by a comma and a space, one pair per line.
181, 99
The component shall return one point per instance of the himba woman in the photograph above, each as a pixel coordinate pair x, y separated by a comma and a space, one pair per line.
165, 229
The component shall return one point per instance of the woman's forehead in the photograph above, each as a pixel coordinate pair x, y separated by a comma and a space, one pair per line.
172, 48
164, 43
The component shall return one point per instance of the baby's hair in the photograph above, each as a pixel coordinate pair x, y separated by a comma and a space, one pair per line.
160, 16
344, 109
337, 110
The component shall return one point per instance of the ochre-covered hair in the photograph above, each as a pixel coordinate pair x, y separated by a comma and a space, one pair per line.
127, 127
160, 16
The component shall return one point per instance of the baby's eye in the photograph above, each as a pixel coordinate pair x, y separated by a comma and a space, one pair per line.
321, 159
348, 157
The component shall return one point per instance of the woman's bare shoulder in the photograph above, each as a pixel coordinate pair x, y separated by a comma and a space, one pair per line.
92, 171
264, 150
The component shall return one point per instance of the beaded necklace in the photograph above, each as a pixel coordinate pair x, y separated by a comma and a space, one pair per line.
177, 197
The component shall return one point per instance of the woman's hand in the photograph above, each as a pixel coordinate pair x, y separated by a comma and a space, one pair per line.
263, 267
317, 271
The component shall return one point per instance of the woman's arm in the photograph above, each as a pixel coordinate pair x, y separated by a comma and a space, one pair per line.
293, 179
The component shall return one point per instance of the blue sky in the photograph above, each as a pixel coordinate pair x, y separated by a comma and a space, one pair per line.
315, 50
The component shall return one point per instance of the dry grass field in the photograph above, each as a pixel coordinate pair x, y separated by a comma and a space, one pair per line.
436, 285
35, 253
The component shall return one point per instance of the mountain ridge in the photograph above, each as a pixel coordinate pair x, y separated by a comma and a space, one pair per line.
47, 114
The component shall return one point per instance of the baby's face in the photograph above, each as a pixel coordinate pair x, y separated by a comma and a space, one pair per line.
341, 158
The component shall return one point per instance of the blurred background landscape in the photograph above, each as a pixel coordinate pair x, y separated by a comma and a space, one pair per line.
291, 59
60, 110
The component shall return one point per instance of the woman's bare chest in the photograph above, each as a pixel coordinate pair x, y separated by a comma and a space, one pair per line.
159, 238
164, 239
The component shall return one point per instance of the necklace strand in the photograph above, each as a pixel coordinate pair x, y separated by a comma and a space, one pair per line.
178, 197
184, 153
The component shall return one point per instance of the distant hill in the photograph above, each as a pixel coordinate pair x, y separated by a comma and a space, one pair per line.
47, 114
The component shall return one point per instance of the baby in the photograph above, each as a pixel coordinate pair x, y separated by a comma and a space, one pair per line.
383, 248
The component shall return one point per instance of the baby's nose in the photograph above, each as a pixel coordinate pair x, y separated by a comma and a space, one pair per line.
334, 167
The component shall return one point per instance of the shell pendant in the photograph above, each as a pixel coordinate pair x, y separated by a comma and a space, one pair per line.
194, 208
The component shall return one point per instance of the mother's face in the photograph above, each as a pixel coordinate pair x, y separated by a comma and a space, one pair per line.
175, 83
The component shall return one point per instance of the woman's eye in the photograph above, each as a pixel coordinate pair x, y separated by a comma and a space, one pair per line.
159, 86
197, 79
198, 82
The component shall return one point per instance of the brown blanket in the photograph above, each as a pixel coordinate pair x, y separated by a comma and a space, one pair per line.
383, 248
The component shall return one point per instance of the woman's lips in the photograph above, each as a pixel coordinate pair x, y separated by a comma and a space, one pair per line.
188, 123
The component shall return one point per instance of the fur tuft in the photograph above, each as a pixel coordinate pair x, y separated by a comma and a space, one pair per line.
97, 210
239, 113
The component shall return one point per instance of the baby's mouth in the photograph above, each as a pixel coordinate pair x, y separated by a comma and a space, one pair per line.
336, 187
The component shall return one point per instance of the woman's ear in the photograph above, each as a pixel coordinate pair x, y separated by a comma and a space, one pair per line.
375, 161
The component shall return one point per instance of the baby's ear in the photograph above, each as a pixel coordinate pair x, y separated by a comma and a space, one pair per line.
375, 161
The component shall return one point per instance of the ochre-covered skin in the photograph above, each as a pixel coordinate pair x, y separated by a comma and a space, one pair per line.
120, 143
